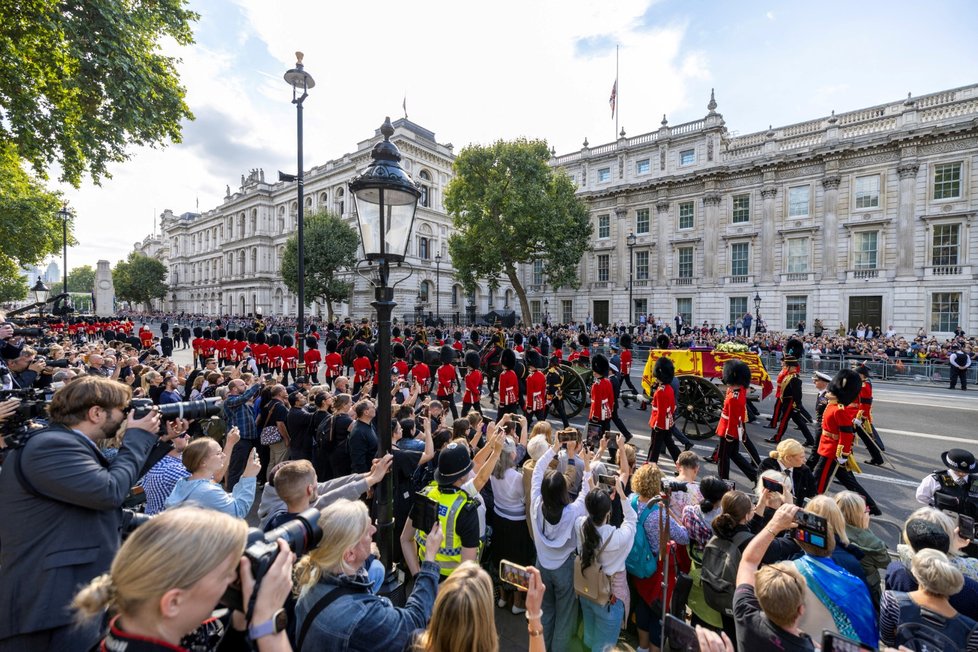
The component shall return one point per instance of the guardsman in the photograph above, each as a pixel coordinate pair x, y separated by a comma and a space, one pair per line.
333, 363
363, 367
732, 430
447, 380
956, 487
839, 424
509, 384
195, 344
662, 416
260, 351
536, 387
625, 341
472, 397
420, 371
555, 393
795, 349
312, 357
875, 445
791, 405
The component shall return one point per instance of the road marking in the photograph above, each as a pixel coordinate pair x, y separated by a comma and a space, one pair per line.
918, 435
952, 407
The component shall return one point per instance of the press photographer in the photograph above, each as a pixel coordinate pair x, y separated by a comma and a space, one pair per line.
61, 517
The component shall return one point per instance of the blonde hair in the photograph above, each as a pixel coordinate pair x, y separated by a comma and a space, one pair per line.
787, 448
146, 566
935, 573
780, 590
647, 481
292, 478
788, 489
543, 428
937, 517
852, 506
836, 525
537, 446
196, 452
147, 377
462, 618
342, 523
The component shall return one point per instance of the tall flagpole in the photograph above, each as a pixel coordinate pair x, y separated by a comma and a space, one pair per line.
617, 95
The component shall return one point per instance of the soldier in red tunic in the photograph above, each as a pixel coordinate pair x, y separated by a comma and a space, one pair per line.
472, 398
447, 377
731, 429
663, 407
509, 384
536, 387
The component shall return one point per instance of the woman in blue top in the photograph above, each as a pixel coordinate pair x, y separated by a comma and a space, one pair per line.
207, 462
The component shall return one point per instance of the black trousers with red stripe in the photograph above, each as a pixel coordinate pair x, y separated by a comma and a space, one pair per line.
729, 450
775, 415
789, 413
823, 475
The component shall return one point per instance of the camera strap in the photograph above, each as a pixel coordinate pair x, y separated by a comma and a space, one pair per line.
317, 608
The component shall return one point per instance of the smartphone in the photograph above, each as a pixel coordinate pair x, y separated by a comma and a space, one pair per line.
514, 574
607, 480
680, 635
424, 513
832, 642
565, 437
812, 529
731, 485
594, 435
772, 485
966, 527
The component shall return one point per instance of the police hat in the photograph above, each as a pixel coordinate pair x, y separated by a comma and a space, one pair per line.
821, 375
453, 463
790, 360
959, 460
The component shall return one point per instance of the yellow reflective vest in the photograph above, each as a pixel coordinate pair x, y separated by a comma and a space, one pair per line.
450, 506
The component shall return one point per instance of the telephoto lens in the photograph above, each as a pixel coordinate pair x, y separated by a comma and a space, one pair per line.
190, 410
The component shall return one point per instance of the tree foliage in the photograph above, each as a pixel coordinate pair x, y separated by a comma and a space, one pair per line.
330, 249
30, 228
138, 279
80, 279
80, 80
510, 208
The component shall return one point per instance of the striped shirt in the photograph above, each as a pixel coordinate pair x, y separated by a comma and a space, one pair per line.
160, 480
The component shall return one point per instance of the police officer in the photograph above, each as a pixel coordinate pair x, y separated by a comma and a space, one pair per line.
956, 487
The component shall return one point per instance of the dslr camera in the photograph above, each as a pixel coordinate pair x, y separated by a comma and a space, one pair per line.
190, 410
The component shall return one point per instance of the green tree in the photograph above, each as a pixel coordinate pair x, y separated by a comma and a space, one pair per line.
331, 248
138, 279
511, 208
80, 279
30, 228
81, 80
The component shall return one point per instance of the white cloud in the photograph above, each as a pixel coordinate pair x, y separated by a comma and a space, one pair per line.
770, 15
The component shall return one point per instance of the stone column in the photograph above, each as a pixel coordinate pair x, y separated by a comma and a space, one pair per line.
104, 290
663, 222
907, 171
711, 227
767, 234
830, 228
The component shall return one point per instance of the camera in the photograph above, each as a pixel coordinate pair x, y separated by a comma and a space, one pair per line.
17, 426
302, 534
672, 485
28, 332
200, 409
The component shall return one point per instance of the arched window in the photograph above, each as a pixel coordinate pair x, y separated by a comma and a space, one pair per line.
254, 221
425, 291
456, 292
425, 186
340, 203
423, 248
323, 199
281, 219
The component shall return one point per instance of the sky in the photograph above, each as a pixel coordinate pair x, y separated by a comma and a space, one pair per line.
479, 72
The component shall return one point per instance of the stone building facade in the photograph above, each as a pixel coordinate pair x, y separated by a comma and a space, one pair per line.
864, 216
227, 260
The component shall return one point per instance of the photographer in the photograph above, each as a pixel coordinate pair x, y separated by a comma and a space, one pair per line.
61, 517
26, 369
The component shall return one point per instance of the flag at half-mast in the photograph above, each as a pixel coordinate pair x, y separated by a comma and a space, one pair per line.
613, 100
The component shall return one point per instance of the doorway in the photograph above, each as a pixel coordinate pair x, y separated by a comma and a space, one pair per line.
868, 310
601, 313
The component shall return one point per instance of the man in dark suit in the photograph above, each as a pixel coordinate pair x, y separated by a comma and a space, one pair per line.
61, 515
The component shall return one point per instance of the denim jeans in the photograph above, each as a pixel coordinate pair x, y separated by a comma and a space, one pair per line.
559, 605
601, 624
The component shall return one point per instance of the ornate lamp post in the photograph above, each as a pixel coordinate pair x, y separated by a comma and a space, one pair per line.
437, 288
302, 81
757, 312
630, 241
386, 200
65, 215
546, 312
40, 292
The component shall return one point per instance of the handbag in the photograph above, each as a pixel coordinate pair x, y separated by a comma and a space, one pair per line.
592, 582
269, 433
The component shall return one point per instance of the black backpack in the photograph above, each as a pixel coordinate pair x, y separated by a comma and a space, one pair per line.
923, 630
721, 558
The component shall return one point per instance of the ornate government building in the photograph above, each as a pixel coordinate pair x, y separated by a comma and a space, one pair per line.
863, 216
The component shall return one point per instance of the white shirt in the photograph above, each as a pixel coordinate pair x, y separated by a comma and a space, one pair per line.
554, 542
612, 558
930, 484
507, 495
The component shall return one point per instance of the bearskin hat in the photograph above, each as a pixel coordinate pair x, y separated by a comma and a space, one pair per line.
362, 350
207, 334
474, 336
260, 337
558, 343
845, 386
535, 360
398, 351
220, 332
584, 340
331, 345
274, 339
508, 358
417, 354
736, 372
532, 341
663, 341
862, 370
457, 336
311, 342
396, 331
287, 341
794, 348
554, 361
437, 334
600, 365
472, 360
625, 341
664, 370
517, 338
447, 355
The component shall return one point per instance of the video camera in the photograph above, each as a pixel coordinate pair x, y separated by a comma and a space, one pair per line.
16, 427
199, 409
302, 534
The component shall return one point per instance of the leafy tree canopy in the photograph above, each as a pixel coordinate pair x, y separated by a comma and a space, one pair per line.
80, 279
138, 279
510, 208
331, 248
80, 80
30, 228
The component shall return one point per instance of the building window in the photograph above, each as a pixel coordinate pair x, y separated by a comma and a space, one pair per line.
604, 226
425, 187
604, 262
868, 191
538, 272
739, 258
425, 292
946, 243
642, 221
567, 310
490, 299
684, 308
642, 167
604, 175
685, 262
686, 211
796, 310
741, 209
687, 157
947, 181
797, 258
866, 244
642, 265
945, 313
798, 201
641, 307
423, 248
738, 306
536, 315
455, 293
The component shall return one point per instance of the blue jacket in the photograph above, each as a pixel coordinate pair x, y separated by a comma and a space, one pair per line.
211, 495
364, 621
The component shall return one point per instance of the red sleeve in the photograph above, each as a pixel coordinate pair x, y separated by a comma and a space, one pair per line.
509, 392
473, 386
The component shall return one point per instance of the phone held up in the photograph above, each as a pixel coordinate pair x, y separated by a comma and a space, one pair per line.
424, 513
812, 529
680, 635
514, 574
832, 642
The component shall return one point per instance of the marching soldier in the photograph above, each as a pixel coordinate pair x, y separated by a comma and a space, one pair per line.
795, 349
509, 384
956, 487
868, 433
731, 429
791, 405
472, 398
821, 380
447, 380
555, 393
536, 387
663, 410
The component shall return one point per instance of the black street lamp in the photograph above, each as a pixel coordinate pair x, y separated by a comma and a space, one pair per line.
65, 215
418, 308
40, 292
757, 312
437, 286
630, 241
299, 80
546, 312
386, 200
